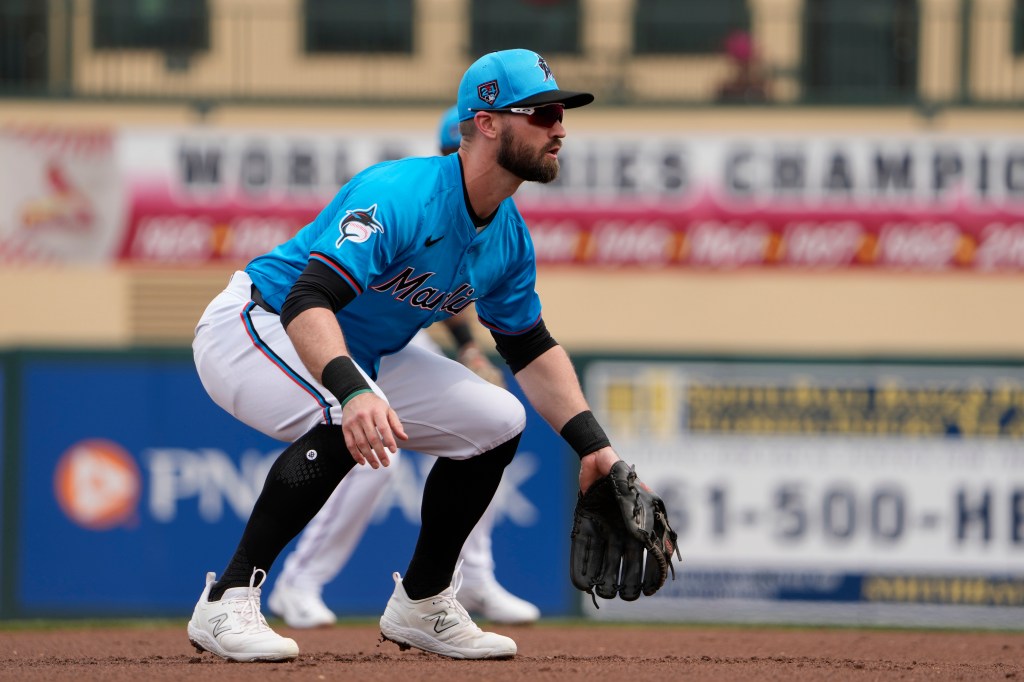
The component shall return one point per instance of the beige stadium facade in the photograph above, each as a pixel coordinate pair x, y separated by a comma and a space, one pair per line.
866, 312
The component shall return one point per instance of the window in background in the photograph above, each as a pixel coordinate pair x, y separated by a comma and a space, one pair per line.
544, 26
378, 26
1018, 27
864, 51
170, 25
24, 28
686, 26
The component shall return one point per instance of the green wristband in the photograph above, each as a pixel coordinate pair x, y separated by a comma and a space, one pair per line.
353, 395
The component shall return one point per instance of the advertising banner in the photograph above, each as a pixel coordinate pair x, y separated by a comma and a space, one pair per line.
907, 202
844, 492
62, 196
916, 202
913, 202
133, 485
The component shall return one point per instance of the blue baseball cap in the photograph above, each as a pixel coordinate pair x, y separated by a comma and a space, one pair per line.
512, 78
448, 133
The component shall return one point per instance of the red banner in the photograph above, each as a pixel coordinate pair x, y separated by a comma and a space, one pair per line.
709, 235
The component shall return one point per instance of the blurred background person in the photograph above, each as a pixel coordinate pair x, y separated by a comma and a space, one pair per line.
747, 82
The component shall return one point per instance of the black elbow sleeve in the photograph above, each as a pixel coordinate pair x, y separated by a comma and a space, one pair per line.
317, 287
521, 349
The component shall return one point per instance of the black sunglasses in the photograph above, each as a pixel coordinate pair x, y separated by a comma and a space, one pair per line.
544, 116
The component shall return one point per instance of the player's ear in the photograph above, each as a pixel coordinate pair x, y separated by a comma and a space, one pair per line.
486, 123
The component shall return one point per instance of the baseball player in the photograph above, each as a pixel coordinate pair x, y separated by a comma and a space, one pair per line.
310, 344
330, 538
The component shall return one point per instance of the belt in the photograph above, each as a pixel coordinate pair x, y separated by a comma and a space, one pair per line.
257, 298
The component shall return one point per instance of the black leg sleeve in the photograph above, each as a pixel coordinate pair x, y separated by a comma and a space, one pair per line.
298, 485
455, 496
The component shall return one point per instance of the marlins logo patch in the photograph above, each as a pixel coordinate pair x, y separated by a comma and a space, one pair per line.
358, 225
543, 64
488, 91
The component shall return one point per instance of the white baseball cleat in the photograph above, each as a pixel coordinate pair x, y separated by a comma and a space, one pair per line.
233, 628
439, 625
491, 601
300, 608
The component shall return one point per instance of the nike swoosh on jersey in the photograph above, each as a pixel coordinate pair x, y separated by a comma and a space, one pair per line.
430, 242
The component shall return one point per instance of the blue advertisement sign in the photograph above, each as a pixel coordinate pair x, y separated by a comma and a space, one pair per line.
133, 484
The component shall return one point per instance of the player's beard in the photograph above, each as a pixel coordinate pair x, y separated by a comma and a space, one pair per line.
523, 162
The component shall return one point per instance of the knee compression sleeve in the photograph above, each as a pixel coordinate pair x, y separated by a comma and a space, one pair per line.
297, 486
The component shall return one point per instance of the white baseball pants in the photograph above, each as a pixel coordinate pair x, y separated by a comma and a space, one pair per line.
248, 365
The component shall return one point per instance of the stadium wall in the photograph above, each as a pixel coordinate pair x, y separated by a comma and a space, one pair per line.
750, 310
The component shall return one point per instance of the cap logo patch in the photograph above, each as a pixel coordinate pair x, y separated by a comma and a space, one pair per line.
542, 63
488, 92
358, 225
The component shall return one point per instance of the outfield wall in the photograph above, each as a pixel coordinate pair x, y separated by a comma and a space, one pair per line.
836, 491
123, 484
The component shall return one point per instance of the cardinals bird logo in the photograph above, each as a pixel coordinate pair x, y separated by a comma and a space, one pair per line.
63, 206
358, 225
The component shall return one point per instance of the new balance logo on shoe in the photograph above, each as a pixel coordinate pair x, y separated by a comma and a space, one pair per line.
439, 625
217, 622
233, 627
441, 621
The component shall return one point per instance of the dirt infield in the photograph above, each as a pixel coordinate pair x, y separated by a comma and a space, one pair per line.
548, 651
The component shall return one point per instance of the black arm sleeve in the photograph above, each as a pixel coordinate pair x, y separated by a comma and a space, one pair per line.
522, 349
460, 331
317, 287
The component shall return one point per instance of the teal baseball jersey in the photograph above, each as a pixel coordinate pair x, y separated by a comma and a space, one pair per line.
401, 236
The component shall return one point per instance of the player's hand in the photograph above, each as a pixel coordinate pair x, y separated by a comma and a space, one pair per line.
370, 427
475, 360
596, 465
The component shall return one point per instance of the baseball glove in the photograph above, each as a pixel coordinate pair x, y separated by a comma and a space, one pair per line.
615, 521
